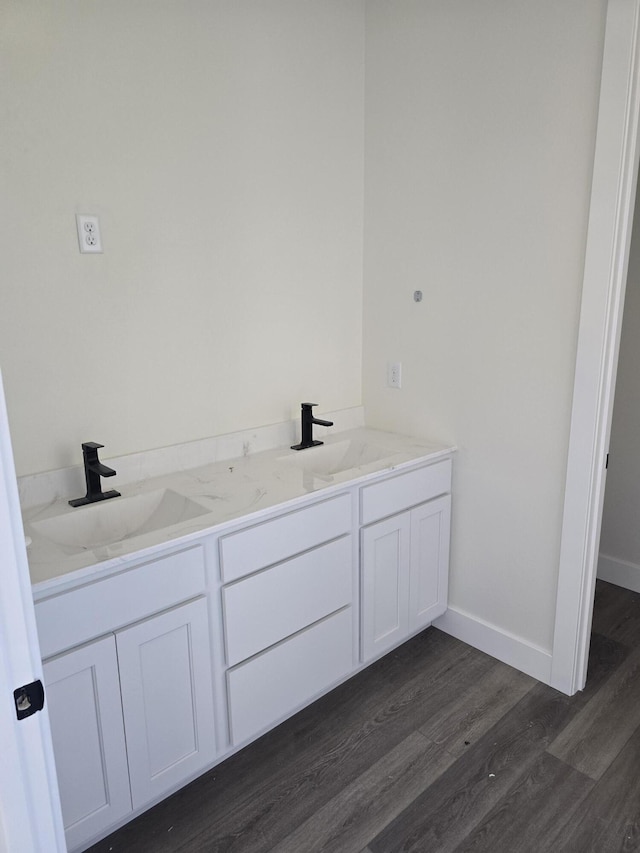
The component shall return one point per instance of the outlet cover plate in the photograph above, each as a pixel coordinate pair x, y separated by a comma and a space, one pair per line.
89, 238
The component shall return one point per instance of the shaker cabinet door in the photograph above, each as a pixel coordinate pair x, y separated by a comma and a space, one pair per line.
429, 572
83, 697
405, 570
167, 699
385, 584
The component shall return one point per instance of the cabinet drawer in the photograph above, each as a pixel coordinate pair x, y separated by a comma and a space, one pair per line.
271, 605
398, 493
273, 541
72, 618
280, 681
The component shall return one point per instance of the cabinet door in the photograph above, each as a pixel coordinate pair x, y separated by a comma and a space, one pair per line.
167, 699
83, 697
429, 572
385, 584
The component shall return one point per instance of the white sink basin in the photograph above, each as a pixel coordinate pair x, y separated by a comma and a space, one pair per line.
338, 457
113, 520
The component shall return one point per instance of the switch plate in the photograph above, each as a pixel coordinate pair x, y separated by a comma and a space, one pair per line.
89, 237
394, 374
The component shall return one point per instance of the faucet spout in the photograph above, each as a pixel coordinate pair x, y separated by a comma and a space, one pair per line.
307, 422
102, 470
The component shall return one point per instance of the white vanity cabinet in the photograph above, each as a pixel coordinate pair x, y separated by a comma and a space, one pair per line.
404, 556
145, 662
131, 712
288, 618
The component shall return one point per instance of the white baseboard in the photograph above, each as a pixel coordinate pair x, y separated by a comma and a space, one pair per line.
619, 572
512, 650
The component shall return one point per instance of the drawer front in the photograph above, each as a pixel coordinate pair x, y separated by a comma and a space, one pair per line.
280, 681
273, 541
72, 618
399, 493
271, 605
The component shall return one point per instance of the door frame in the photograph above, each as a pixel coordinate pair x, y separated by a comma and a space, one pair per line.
30, 815
613, 194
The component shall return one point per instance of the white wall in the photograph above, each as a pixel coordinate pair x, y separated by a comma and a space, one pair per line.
224, 147
620, 538
480, 129
221, 145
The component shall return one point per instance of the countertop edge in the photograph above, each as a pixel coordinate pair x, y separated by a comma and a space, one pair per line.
95, 571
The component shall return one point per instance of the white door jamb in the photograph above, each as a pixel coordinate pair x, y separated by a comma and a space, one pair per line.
605, 275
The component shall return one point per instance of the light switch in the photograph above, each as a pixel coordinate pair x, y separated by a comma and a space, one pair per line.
394, 374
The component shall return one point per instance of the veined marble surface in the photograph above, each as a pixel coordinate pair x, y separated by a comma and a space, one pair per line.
229, 491
36, 489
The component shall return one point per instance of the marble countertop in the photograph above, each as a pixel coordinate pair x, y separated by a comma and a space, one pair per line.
231, 491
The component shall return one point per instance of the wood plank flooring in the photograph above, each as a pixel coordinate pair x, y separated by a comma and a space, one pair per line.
437, 747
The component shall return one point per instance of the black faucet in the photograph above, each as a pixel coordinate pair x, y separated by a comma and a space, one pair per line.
93, 470
307, 427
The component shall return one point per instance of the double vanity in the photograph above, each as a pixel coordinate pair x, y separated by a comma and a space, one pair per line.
192, 614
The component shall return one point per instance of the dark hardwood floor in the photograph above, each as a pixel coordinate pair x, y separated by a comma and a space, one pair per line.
437, 747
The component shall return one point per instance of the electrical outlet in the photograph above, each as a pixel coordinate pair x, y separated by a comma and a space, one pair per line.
89, 233
394, 374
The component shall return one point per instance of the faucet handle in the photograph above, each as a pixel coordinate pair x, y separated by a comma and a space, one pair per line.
91, 445
308, 405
